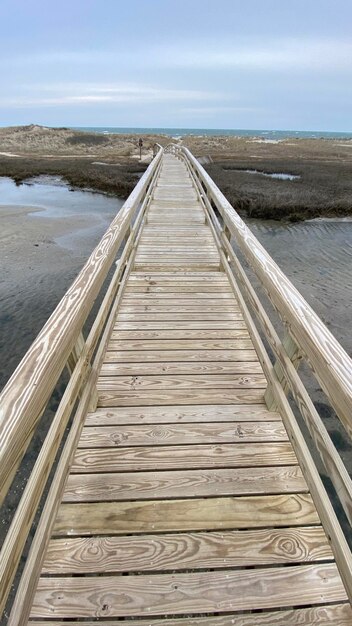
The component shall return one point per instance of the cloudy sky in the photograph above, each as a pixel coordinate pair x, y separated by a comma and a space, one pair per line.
262, 64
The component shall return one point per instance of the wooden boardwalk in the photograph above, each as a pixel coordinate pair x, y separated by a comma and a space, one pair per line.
181, 471
185, 502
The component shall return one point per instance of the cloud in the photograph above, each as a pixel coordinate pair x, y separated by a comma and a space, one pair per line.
277, 54
88, 93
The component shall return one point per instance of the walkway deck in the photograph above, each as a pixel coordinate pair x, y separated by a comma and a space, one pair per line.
185, 497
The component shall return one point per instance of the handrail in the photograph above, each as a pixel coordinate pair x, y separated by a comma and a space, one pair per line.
61, 342
26, 394
281, 377
328, 360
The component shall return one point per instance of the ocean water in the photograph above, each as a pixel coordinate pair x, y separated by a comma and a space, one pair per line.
274, 135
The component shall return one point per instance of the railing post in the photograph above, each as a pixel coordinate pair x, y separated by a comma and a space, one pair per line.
295, 355
75, 354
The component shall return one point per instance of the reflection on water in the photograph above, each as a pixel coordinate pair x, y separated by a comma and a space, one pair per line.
55, 197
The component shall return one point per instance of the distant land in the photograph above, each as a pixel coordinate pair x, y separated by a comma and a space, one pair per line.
280, 175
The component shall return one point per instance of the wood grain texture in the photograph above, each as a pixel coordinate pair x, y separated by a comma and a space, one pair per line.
116, 518
93, 460
165, 356
181, 414
186, 551
327, 615
180, 396
171, 333
194, 294
192, 369
184, 483
182, 381
193, 306
174, 315
173, 434
139, 345
149, 324
181, 593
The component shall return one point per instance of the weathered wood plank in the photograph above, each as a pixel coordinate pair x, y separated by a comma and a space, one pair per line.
177, 267
209, 368
182, 414
180, 396
95, 460
180, 344
182, 294
115, 518
135, 290
199, 316
326, 615
174, 302
151, 278
147, 324
182, 381
174, 434
187, 484
192, 551
171, 333
202, 592
185, 356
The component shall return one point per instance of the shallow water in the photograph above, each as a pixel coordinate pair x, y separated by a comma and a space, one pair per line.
29, 294
317, 256
275, 175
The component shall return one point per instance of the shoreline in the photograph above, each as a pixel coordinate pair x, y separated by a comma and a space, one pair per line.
246, 169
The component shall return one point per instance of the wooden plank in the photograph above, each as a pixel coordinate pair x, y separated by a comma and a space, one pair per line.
181, 396
136, 277
172, 288
186, 551
326, 615
186, 356
183, 483
181, 414
180, 324
173, 294
174, 316
208, 368
172, 333
95, 460
201, 592
173, 434
180, 344
115, 518
182, 381
185, 308
176, 267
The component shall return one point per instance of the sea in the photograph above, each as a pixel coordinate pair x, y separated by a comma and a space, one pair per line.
269, 135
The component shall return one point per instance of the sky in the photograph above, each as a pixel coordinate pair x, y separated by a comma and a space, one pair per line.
250, 64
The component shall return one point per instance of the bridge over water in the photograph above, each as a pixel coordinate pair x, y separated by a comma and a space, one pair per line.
184, 492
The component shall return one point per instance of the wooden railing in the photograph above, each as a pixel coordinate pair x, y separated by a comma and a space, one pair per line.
305, 337
28, 391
